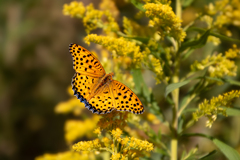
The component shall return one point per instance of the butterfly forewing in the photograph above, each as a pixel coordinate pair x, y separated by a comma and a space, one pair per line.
85, 62
125, 99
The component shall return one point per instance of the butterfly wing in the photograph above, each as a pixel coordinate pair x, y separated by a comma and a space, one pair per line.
102, 102
85, 62
89, 72
125, 99
83, 86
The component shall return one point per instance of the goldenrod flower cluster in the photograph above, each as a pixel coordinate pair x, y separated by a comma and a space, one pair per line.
66, 156
233, 52
165, 20
218, 65
87, 146
129, 52
227, 13
212, 108
119, 147
110, 6
120, 46
74, 9
71, 105
92, 18
75, 129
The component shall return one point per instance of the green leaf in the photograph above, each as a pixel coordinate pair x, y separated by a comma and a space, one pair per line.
209, 154
232, 111
228, 151
186, 3
140, 84
138, 5
174, 86
213, 78
230, 81
186, 55
196, 43
190, 110
222, 37
233, 82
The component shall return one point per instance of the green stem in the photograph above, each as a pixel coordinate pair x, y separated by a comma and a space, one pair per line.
174, 141
185, 105
175, 94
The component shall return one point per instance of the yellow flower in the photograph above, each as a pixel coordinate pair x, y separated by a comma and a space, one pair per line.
233, 52
212, 108
74, 9
226, 13
72, 105
218, 65
115, 156
94, 19
152, 118
106, 141
116, 133
97, 131
87, 146
76, 129
163, 17
125, 141
118, 45
110, 6
65, 156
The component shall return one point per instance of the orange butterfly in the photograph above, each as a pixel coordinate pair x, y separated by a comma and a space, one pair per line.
96, 89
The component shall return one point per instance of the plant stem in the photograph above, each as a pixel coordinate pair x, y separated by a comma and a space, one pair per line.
175, 95
185, 105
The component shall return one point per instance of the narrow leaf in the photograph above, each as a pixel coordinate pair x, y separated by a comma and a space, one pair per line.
209, 154
228, 151
233, 82
222, 37
196, 43
186, 3
138, 5
174, 86
232, 111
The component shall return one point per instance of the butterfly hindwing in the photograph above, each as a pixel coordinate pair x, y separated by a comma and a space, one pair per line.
85, 62
125, 99
102, 102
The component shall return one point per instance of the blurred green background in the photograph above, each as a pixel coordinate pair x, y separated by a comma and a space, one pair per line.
36, 70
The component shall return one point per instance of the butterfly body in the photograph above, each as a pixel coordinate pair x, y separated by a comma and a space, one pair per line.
105, 81
96, 89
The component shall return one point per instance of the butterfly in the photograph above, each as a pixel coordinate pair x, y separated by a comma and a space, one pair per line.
96, 89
